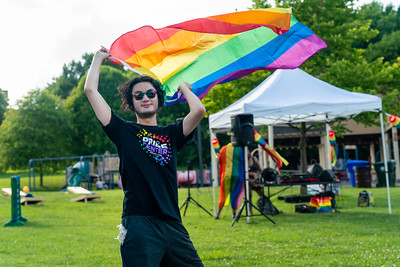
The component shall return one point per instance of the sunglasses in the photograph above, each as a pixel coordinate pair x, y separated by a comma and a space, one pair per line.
151, 93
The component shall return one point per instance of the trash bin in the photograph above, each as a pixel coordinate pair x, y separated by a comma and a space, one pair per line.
363, 176
350, 164
380, 173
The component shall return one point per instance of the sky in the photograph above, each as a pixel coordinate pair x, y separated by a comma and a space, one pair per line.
39, 36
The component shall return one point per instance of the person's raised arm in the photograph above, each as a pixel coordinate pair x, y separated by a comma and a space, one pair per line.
197, 110
99, 105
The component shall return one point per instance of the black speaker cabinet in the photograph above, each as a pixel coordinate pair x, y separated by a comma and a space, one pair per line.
327, 175
242, 130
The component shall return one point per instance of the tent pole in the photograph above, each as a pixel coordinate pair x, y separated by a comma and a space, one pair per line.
385, 161
271, 143
328, 165
214, 170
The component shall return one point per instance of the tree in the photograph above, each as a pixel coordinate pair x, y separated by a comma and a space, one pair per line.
3, 105
87, 136
387, 22
72, 74
39, 128
225, 94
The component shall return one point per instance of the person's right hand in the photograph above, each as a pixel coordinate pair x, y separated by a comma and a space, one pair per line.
102, 54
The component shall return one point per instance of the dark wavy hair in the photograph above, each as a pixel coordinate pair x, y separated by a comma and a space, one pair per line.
125, 90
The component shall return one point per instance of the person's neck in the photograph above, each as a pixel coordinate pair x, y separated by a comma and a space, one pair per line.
151, 121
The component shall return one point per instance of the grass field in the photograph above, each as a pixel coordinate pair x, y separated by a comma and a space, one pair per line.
64, 233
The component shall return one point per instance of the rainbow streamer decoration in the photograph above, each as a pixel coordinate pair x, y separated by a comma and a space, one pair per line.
216, 49
322, 204
393, 119
334, 149
215, 143
231, 174
275, 155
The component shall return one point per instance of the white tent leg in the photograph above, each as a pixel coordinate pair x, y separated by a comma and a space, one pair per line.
385, 161
328, 165
214, 169
271, 162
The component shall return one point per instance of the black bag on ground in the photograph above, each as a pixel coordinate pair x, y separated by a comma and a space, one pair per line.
305, 209
266, 206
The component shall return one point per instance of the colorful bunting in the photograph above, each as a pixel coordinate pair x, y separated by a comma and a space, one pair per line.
216, 49
275, 155
394, 120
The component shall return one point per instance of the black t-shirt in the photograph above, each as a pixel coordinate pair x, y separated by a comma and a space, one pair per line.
148, 166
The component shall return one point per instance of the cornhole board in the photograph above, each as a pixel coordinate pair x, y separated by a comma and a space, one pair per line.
86, 195
8, 192
31, 200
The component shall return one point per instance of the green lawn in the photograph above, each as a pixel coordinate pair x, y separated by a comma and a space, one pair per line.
63, 233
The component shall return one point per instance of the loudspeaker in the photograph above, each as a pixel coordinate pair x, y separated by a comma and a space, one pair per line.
242, 130
327, 175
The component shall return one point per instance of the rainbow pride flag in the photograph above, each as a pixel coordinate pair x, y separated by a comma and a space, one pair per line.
216, 49
231, 175
275, 155
334, 149
322, 204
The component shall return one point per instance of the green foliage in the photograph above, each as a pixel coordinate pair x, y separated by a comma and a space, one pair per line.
87, 136
225, 94
39, 128
3, 105
72, 74
388, 48
387, 22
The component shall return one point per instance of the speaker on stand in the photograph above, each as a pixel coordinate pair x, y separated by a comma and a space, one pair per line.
243, 136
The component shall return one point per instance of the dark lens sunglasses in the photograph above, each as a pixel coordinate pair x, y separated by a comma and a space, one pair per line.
151, 93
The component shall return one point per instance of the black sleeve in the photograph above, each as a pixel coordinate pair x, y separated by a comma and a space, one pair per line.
181, 139
113, 129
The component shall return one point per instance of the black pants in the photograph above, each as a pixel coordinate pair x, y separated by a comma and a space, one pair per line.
151, 241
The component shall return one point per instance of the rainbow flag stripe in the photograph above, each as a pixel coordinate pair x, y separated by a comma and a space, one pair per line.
231, 174
216, 49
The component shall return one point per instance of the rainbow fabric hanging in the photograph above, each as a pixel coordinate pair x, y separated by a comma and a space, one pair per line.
216, 49
334, 149
231, 174
393, 119
215, 143
275, 155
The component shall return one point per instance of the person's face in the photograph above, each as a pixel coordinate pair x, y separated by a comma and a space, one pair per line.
145, 99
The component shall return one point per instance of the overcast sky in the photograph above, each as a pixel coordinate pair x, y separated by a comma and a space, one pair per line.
39, 36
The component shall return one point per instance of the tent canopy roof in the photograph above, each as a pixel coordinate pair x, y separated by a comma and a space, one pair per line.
291, 96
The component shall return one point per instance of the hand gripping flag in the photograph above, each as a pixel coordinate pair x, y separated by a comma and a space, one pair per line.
334, 149
216, 49
275, 155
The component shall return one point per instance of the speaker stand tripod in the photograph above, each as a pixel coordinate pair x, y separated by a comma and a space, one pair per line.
189, 197
246, 202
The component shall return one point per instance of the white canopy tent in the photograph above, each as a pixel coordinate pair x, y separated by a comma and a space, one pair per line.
291, 96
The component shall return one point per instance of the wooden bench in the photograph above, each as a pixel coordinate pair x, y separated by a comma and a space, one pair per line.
86, 195
32, 200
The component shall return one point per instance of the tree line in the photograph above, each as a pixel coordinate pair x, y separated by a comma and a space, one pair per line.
362, 56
